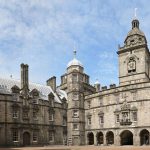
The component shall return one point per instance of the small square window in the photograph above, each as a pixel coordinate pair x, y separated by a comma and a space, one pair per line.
75, 126
15, 114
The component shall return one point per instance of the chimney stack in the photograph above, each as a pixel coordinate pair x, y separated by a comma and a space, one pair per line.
52, 83
24, 76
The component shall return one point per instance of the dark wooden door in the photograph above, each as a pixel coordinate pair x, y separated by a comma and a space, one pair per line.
26, 139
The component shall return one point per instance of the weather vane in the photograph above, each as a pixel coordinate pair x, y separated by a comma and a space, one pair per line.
74, 51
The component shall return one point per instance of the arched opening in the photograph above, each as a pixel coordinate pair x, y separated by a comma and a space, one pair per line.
144, 137
26, 138
90, 137
126, 138
100, 138
110, 138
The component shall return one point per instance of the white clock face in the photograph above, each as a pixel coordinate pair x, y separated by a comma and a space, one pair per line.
131, 65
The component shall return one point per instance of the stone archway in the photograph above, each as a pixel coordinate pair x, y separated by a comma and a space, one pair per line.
100, 138
126, 138
110, 138
144, 137
26, 138
90, 137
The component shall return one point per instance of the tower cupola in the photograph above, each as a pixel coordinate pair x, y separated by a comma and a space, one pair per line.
74, 62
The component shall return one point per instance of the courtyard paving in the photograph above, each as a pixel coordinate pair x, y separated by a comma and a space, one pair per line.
81, 148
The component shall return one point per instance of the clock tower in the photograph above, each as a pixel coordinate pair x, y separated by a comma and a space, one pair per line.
134, 57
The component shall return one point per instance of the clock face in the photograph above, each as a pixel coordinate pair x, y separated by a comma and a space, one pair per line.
131, 65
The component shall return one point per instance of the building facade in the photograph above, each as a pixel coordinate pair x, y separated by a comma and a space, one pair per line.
76, 112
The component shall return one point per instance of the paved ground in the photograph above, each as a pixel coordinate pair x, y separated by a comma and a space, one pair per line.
82, 148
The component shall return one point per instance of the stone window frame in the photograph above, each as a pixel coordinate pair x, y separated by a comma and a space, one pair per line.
75, 126
51, 136
75, 113
15, 135
117, 117
134, 116
89, 119
101, 118
15, 113
35, 136
51, 116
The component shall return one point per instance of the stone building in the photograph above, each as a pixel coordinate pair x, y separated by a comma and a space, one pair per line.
31, 114
117, 115
77, 113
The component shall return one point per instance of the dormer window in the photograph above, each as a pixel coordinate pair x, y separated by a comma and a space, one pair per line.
35, 101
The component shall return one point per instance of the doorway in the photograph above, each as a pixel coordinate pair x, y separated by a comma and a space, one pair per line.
26, 139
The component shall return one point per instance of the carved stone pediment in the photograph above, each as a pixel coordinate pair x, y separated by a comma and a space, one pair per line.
125, 106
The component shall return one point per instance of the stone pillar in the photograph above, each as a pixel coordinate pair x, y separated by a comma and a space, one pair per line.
117, 138
136, 140
105, 143
95, 138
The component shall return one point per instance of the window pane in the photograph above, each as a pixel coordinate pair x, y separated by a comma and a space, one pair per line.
15, 135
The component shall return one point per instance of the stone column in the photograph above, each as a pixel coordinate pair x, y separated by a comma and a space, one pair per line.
105, 143
95, 138
136, 140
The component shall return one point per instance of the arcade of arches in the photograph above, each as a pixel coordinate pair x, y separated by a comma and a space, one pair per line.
126, 138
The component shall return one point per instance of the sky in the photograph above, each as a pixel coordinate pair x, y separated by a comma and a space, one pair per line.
43, 34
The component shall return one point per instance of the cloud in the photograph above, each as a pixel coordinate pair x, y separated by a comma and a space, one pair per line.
42, 33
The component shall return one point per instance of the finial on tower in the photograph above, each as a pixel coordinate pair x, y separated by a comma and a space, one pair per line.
135, 13
74, 51
135, 22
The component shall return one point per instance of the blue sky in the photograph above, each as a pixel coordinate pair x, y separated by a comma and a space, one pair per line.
42, 33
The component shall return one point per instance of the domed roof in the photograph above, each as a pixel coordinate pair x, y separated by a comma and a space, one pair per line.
74, 62
135, 31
